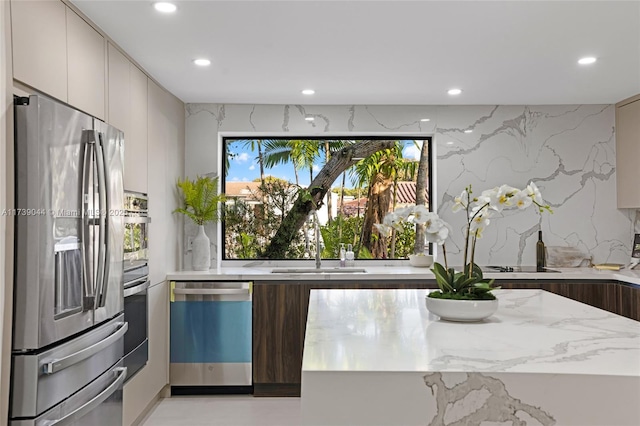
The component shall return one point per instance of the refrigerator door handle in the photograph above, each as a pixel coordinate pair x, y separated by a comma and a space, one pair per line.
69, 360
94, 402
88, 138
102, 214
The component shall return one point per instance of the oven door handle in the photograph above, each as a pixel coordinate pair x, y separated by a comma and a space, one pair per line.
93, 402
129, 291
67, 361
137, 219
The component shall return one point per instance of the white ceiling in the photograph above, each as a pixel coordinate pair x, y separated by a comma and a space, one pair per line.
383, 52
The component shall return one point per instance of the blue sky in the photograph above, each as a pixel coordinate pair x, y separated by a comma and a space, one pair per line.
244, 166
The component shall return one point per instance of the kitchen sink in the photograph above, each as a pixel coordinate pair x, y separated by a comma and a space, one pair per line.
318, 271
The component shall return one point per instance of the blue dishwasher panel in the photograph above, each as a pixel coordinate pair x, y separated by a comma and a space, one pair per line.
210, 331
210, 337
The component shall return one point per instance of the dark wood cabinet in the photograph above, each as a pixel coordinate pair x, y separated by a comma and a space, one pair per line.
277, 333
599, 294
629, 301
279, 325
603, 295
280, 319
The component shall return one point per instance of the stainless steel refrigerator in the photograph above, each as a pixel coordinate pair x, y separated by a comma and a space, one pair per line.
68, 296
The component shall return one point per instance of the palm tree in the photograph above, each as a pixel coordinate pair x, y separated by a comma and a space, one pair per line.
378, 171
301, 153
254, 144
318, 188
421, 192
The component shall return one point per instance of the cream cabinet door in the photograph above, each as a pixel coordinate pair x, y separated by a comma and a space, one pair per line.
135, 154
38, 29
628, 153
86, 66
119, 92
159, 210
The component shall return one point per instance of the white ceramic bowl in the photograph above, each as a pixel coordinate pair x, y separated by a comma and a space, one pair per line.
421, 260
462, 310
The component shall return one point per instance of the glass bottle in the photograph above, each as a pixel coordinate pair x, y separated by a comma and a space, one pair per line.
540, 254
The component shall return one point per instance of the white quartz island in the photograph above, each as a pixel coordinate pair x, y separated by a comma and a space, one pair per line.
377, 357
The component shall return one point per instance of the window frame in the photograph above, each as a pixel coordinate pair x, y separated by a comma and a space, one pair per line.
225, 137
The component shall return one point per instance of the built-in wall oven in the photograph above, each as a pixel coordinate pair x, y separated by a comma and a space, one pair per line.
136, 281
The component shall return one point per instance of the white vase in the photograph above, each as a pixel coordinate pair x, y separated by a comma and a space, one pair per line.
462, 310
201, 251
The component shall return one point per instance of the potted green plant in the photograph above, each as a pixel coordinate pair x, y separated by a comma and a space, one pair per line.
468, 284
201, 202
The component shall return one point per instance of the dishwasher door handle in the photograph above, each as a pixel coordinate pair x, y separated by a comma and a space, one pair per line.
211, 291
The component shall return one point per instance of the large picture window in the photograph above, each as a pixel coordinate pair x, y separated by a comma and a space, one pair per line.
280, 190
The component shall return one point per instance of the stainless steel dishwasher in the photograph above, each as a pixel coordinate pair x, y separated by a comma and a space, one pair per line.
210, 337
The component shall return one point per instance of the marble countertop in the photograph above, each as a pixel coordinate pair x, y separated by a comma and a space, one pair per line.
391, 271
533, 331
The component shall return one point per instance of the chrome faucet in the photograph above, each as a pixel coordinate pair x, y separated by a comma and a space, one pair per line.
316, 223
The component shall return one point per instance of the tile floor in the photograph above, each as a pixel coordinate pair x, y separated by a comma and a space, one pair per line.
231, 410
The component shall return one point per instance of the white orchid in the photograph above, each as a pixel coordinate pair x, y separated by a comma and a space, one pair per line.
394, 220
480, 221
499, 198
461, 202
437, 232
479, 211
384, 230
522, 200
420, 214
404, 212
534, 193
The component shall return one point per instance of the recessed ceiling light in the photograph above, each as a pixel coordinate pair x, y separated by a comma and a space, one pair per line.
425, 119
309, 118
164, 7
450, 143
468, 131
454, 91
202, 62
308, 92
587, 60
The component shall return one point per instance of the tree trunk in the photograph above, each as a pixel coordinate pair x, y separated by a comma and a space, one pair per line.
393, 232
318, 188
341, 205
422, 185
327, 157
377, 208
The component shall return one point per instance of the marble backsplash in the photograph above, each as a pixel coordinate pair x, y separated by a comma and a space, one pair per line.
567, 150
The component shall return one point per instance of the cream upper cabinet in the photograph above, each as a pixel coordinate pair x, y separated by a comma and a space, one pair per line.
628, 152
158, 206
86, 66
128, 112
119, 91
135, 153
56, 52
38, 29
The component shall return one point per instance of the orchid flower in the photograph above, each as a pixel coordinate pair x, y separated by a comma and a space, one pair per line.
522, 200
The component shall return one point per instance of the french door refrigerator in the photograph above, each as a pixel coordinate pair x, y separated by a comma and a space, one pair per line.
68, 296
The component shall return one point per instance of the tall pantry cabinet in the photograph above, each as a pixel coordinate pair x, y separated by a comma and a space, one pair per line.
58, 52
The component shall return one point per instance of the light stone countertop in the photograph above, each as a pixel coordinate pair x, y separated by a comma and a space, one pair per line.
533, 331
395, 272
378, 357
